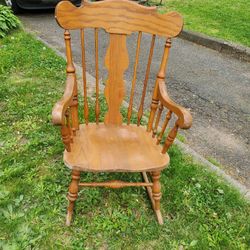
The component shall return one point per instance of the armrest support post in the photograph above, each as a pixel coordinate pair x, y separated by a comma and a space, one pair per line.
74, 110
71, 71
66, 137
160, 76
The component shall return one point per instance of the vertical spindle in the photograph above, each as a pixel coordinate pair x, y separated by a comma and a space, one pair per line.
71, 70
97, 105
157, 120
145, 83
67, 115
165, 124
170, 139
134, 78
84, 78
66, 137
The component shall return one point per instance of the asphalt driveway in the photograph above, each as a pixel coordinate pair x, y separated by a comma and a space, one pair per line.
214, 86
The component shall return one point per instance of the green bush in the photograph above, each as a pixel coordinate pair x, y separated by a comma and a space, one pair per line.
8, 21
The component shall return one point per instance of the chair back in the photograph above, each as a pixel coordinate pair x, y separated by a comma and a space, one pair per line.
119, 18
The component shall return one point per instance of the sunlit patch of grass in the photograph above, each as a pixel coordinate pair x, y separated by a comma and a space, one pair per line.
200, 210
226, 19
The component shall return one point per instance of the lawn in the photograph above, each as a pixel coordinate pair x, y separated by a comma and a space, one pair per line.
200, 210
226, 19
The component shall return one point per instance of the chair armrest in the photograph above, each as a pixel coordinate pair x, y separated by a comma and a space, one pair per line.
185, 118
61, 106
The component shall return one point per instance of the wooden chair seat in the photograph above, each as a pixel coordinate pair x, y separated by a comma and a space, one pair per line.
101, 148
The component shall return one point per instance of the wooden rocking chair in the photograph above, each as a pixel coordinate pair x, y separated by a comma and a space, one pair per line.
113, 146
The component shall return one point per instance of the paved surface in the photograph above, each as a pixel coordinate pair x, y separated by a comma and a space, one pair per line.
215, 87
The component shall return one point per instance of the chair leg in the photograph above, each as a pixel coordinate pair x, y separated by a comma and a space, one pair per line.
72, 194
156, 190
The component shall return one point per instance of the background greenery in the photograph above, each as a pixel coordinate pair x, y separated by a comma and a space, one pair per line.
8, 21
200, 210
226, 19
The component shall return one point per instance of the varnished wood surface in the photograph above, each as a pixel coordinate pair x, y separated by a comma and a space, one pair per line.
185, 118
156, 192
145, 82
116, 61
84, 79
112, 146
165, 124
115, 184
170, 138
58, 112
72, 194
101, 148
118, 16
97, 105
158, 117
152, 199
134, 78
160, 76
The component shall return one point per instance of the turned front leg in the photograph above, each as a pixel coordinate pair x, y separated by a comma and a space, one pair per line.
72, 194
156, 191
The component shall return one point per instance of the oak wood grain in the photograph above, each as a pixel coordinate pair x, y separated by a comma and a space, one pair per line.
165, 124
170, 138
101, 148
160, 76
84, 79
72, 195
97, 105
130, 107
115, 184
145, 82
185, 118
118, 16
59, 109
71, 71
113, 146
156, 192
116, 61
158, 117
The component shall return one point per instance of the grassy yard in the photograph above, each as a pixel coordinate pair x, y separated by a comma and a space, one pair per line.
226, 19
200, 210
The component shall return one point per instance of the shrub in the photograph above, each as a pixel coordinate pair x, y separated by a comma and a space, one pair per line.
8, 21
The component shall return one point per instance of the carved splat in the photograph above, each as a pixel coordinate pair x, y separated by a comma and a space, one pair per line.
116, 61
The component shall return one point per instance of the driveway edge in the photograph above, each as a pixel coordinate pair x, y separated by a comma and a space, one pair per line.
186, 149
235, 50
199, 158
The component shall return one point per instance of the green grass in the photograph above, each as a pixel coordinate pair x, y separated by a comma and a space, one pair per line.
214, 161
200, 210
226, 19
